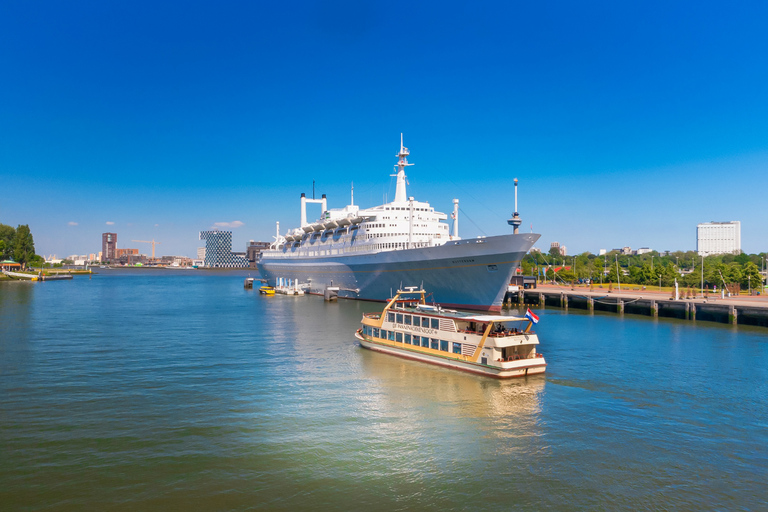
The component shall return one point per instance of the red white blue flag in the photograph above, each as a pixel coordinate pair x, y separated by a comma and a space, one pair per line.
531, 316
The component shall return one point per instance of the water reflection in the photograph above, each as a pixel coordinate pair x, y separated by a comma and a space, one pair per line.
471, 396
15, 310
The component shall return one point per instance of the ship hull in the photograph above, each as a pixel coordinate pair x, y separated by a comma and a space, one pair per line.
467, 274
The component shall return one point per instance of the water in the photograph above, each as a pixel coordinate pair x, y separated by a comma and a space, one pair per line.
157, 390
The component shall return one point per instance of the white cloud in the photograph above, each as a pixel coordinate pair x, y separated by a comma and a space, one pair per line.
71, 223
233, 224
110, 223
156, 225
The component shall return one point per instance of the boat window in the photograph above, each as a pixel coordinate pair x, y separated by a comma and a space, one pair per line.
390, 317
424, 321
407, 339
407, 319
444, 345
434, 344
399, 318
383, 334
391, 335
399, 337
424, 341
375, 332
457, 348
417, 340
435, 323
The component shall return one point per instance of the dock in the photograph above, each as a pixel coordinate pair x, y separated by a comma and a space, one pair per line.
736, 310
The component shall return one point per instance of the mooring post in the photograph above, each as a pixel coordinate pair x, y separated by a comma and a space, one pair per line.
687, 310
732, 315
542, 302
563, 301
591, 305
620, 306
693, 311
654, 308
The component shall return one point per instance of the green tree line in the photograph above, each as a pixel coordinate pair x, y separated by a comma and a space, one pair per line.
651, 268
18, 245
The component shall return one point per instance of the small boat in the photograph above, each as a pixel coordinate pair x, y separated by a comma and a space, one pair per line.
496, 346
37, 277
267, 290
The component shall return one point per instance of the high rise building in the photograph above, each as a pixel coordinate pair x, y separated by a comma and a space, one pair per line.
718, 238
218, 250
108, 246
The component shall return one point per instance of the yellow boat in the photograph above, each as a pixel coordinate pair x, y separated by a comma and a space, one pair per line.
267, 290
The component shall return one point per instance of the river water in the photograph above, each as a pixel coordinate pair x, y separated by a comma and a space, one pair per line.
158, 390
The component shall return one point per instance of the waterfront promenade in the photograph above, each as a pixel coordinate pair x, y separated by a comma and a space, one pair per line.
742, 309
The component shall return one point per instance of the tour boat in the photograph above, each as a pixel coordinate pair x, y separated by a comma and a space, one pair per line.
496, 346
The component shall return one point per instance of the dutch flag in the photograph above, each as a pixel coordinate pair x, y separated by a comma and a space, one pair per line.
531, 316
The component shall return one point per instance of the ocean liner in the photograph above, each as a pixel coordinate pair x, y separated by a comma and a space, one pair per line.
367, 253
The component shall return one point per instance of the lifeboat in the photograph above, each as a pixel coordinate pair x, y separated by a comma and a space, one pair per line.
308, 228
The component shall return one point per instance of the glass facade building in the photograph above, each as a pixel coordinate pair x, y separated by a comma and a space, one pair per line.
218, 250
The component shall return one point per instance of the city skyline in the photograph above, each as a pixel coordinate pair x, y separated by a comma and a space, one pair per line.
626, 125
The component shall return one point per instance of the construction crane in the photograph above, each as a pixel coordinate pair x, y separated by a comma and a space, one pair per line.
149, 242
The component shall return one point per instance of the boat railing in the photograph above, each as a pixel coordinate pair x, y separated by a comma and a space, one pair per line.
518, 357
374, 316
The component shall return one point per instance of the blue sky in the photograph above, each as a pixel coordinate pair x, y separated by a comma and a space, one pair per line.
626, 123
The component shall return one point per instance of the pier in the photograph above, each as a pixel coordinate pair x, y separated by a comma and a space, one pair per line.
742, 310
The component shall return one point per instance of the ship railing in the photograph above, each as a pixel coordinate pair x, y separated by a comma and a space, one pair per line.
374, 316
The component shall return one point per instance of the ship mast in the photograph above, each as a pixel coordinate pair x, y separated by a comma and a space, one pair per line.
515, 220
402, 163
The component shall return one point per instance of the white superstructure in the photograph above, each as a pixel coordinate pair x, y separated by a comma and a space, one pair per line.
718, 238
402, 224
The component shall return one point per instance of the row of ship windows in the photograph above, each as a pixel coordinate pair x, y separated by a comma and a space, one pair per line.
418, 341
362, 248
423, 321
381, 235
405, 208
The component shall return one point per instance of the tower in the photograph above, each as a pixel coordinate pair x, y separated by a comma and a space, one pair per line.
515, 220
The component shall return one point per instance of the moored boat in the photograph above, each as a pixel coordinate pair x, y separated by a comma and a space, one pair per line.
267, 290
496, 346
367, 252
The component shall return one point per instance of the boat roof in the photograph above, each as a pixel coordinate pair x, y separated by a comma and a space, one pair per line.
494, 318
459, 315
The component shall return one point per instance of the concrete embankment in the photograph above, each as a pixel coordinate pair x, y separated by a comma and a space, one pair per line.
746, 310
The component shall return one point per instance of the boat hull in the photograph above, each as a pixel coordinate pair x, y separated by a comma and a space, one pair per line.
523, 369
468, 274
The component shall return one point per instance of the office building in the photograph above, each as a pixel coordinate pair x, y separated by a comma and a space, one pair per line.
218, 250
108, 246
718, 238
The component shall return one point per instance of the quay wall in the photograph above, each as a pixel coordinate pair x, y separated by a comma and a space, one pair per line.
731, 310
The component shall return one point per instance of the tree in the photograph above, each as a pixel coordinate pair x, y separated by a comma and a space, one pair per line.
7, 234
751, 277
23, 245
